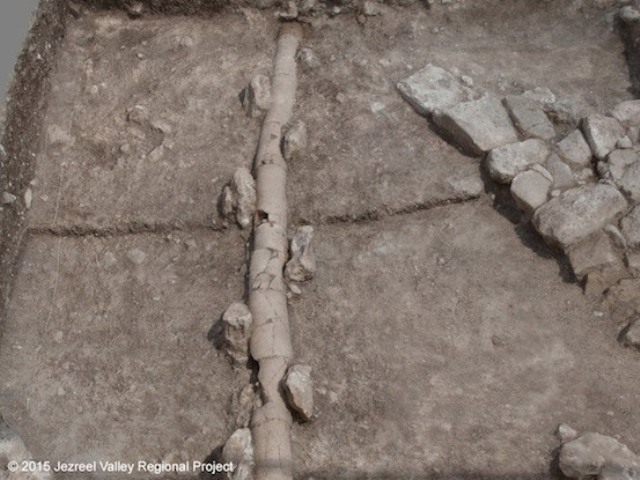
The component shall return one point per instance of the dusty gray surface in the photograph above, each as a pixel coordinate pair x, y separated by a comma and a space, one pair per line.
189, 78
104, 358
432, 354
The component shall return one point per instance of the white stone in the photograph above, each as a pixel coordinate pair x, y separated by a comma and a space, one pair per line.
302, 265
629, 15
631, 336
371, 8
575, 150
561, 172
616, 237
299, 391
593, 253
308, 59
589, 454
478, 126
542, 95
565, 433
505, 162
295, 140
619, 161
602, 134
631, 227
632, 259
529, 118
239, 198
432, 89
257, 96
239, 451
237, 321
630, 182
624, 142
578, 213
8, 198
627, 113
136, 256
530, 190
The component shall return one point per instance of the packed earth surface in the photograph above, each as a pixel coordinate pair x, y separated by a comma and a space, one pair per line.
447, 337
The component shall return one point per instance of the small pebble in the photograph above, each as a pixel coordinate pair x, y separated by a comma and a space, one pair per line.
136, 256
8, 198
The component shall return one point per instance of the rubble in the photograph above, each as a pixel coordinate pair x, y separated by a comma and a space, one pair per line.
578, 213
565, 433
575, 150
239, 198
589, 454
243, 403
530, 190
616, 237
627, 113
602, 134
299, 391
432, 89
308, 59
504, 163
8, 198
295, 140
566, 113
302, 265
631, 335
478, 126
593, 253
256, 98
237, 321
632, 260
624, 143
629, 15
631, 227
561, 172
542, 95
618, 161
239, 451
529, 118
630, 182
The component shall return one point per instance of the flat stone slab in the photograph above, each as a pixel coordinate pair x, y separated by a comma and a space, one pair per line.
105, 352
630, 182
602, 134
575, 150
505, 162
432, 88
627, 113
594, 253
529, 117
578, 213
530, 189
631, 227
478, 126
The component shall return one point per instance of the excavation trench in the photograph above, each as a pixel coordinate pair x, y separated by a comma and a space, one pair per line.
446, 342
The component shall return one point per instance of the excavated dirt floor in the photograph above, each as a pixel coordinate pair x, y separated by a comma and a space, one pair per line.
447, 340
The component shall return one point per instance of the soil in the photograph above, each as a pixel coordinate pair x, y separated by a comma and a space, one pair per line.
447, 341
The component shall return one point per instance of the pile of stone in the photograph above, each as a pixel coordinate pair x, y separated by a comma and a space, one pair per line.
579, 187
